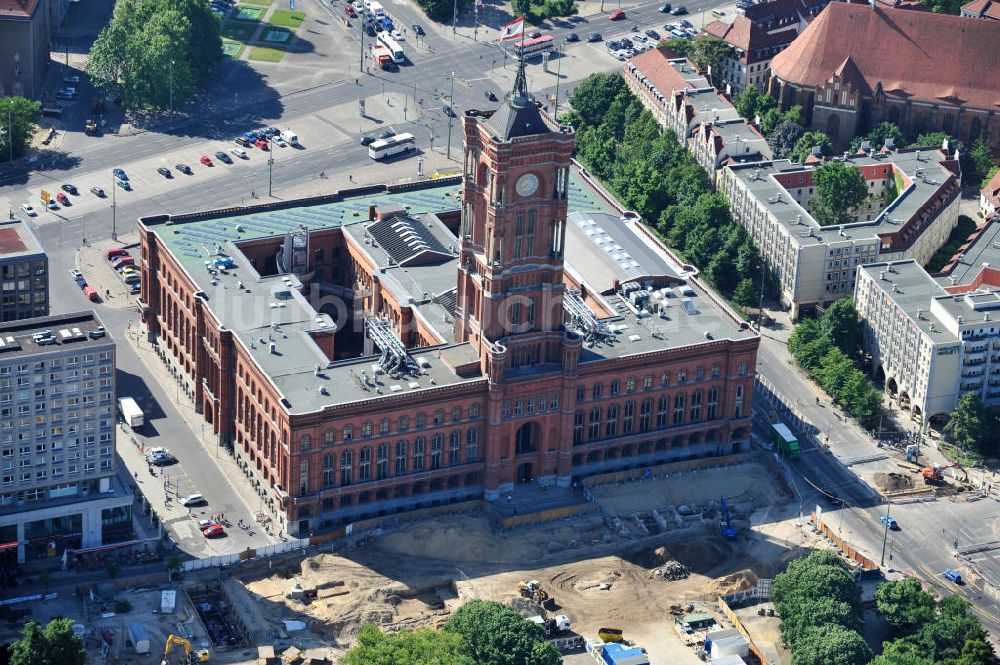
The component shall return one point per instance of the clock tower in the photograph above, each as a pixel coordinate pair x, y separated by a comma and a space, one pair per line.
514, 199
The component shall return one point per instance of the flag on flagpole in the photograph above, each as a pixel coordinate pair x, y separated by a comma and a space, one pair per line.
513, 29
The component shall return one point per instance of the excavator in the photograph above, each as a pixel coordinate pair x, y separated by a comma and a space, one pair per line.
934, 475
191, 657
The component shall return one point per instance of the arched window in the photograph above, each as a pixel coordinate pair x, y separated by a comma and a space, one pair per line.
330, 437
401, 458
614, 389
365, 464
455, 448
418, 454
975, 128
473, 411
305, 442
437, 446
328, 470
833, 126
382, 461
346, 459
471, 444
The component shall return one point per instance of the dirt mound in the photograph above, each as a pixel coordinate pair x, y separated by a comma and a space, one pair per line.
893, 482
651, 557
738, 581
671, 571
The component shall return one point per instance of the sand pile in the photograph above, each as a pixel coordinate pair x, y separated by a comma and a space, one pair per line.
892, 482
738, 581
672, 570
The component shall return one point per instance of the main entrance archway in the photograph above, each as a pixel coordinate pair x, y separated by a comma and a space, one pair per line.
524, 472
526, 439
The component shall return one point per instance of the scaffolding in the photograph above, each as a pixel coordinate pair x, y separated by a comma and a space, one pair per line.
583, 321
395, 359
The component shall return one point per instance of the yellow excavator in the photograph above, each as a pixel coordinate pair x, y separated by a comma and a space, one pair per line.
191, 657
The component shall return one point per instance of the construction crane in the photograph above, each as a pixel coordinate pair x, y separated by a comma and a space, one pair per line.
191, 657
726, 527
934, 475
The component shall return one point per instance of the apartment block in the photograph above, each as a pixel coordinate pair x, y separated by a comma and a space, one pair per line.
24, 273
58, 488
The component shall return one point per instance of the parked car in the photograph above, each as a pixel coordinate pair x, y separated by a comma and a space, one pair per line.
240, 141
206, 160
62, 198
71, 79
572, 37
417, 30
223, 157
953, 576
686, 23
889, 522
490, 95
124, 184
367, 139
91, 294
120, 174
214, 531
639, 37
70, 189
28, 209
121, 262
653, 34
280, 142
397, 35
387, 134
261, 144
114, 253
679, 11
97, 191
448, 111
162, 459
78, 277
193, 500
665, 8
165, 172
617, 16
204, 524
535, 34
240, 152
52, 205
594, 37
183, 168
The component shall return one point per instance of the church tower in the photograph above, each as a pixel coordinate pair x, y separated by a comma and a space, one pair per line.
513, 229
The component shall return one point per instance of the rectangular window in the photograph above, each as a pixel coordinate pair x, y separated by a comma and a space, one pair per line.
679, 409
437, 446
629, 418
577, 428
418, 454
661, 411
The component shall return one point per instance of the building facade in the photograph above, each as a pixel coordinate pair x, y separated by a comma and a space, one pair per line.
450, 344
911, 210
930, 343
24, 273
58, 486
25, 32
858, 65
987, 9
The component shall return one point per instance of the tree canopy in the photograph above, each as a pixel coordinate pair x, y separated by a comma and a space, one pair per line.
23, 115
494, 634
443, 10
783, 138
55, 644
831, 644
972, 425
804, 146
878, 135
154, 52
708, 51
423, 646
904, 604
840, 190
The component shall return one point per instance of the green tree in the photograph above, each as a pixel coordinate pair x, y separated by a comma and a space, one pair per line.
175, 562
423, 646
153, 53
522, 7
989, 175
976, 651
821, 572
784, 137
842, 324
878, 135
747, 102
494, 634
904, 604
681, 47
813, 613
831, 644
24, 115
804, 146
969, 425
936, 140
55, 644
901, 652
953, 7
747, 294
840, 189
981, 156
946, 636
707, 51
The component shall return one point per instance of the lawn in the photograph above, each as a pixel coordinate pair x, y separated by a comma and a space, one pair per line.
266, 54
242, 13
286, 19
232, 49
259, 3
238, 31
965, 227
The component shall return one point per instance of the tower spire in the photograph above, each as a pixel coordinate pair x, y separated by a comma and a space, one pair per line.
520, 95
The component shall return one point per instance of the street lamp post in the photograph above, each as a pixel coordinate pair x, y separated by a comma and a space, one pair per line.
451, 107
885, 532
114, 228
560, 51
10, 129
270, 162
171, 86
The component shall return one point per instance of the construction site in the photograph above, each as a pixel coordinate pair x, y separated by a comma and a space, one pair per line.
637, 556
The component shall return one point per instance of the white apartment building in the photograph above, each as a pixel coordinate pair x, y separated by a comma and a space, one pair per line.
815, 264
58, 483
930, 343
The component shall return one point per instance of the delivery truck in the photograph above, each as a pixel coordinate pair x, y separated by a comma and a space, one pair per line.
130, 412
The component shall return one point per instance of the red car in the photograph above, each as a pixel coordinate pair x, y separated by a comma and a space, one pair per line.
205, 160
617, 16
62, 198
262, 144
114, 253
213, 531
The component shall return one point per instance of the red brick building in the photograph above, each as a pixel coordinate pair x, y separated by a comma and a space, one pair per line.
401, 347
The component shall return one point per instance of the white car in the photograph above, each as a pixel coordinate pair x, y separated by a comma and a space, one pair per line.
53, 205
193, 500
280, 142
28, 209
239, 152
397, 35
639, 37
621, 55
157, 451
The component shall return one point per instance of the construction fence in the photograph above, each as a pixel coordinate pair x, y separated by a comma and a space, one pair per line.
666, 468
249, 553
867, 565
731, 615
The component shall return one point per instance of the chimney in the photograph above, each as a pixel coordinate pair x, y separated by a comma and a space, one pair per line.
371, 213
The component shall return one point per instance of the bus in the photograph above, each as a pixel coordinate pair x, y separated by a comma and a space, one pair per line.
391, 146
395, 50
532, 47
785, 440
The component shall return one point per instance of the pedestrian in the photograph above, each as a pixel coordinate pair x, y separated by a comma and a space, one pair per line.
350, 177
510, 499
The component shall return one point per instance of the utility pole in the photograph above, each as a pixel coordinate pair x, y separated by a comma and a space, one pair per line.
561, 50
171, 86
451, 115
10, 130
454, 18
270, 162
361, 66
114, 227
885, 532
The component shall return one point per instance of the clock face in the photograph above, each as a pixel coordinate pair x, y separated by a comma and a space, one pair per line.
527, 184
